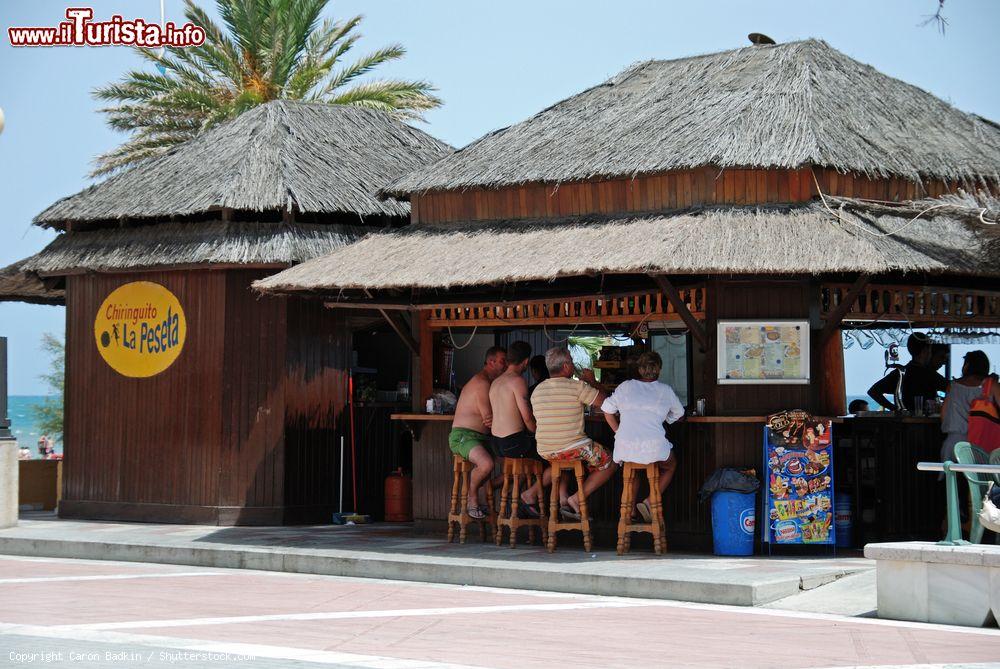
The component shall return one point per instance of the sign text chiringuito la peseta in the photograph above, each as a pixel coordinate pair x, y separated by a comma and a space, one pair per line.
140, 329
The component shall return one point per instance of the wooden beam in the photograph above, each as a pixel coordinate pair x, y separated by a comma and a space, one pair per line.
402, 329
696, 328
557, 320
836, 317
481, 300
369, 306
416, 298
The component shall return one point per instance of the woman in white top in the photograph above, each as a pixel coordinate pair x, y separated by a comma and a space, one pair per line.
961, 393
644, 405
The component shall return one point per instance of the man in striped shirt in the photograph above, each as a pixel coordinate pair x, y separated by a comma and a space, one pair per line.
558, 405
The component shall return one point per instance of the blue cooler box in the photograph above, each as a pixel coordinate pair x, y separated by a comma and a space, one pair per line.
733, 520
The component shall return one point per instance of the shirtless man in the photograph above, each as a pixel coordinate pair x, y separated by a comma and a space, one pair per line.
473, 419
513, 422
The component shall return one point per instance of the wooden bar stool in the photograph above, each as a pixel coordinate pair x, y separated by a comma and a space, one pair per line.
514, 470
555, 525
625, 525
458, 512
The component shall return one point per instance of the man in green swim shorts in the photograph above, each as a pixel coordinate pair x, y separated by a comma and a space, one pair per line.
469, 430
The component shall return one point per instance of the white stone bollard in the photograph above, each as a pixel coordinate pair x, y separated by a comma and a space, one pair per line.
8, 482
930, 583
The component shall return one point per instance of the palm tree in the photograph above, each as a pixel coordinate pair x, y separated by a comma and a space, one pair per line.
49, 414
268, 50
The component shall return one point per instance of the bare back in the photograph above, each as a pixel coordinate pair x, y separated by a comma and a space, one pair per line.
473, 408
509, 403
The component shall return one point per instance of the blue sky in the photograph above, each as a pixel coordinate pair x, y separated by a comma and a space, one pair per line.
494, 64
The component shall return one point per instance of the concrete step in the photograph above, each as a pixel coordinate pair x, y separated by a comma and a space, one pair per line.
394, 552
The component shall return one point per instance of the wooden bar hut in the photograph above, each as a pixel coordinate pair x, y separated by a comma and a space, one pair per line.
765, 183
188, 398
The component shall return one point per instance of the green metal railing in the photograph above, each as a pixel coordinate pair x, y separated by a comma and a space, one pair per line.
951, 469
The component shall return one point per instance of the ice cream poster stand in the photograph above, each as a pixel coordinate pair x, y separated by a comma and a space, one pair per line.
798, 498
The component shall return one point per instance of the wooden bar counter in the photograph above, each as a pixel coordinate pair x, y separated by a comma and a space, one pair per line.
701, 443
905, 502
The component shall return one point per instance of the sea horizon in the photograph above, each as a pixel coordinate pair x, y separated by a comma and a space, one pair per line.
23, 423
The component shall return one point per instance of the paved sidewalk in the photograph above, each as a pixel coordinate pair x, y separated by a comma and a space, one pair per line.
390, 551
96, 614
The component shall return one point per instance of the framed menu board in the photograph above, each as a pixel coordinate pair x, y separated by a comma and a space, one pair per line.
752, 352
798, 498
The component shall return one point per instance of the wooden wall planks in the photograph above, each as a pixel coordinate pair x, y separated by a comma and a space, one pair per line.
315, 416
251, 472
243, 428
672, 190
148, 441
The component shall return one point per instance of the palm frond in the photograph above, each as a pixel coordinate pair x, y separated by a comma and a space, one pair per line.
261, 50
135, 151
403, 99
361, 67
218, 49
299, 20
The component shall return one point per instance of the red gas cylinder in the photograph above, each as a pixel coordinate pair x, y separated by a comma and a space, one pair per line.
398, 497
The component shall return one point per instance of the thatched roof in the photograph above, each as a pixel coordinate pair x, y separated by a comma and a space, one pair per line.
783, 106
169, 244
17, 285
840, 236
310, 157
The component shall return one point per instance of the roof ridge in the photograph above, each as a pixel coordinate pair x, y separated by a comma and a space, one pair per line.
321, 158
620, 77
748, 47
769, 107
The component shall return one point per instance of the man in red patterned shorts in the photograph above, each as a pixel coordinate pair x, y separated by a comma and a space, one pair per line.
558, 405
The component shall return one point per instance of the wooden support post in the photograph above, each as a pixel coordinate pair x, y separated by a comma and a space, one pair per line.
836, 317
831, 386
696, 328
426, 358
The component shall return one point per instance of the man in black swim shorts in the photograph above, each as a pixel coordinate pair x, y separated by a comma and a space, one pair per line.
513, 422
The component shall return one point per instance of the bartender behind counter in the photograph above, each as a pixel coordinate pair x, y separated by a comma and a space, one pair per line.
920, 379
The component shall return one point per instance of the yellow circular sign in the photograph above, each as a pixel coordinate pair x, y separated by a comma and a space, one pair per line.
140, 329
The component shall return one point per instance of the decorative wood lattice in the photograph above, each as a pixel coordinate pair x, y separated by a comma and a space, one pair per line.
924, 305
631, 308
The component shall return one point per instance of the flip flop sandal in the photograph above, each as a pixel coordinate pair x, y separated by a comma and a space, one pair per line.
568, 512
476, 512
644, 511
528, 511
